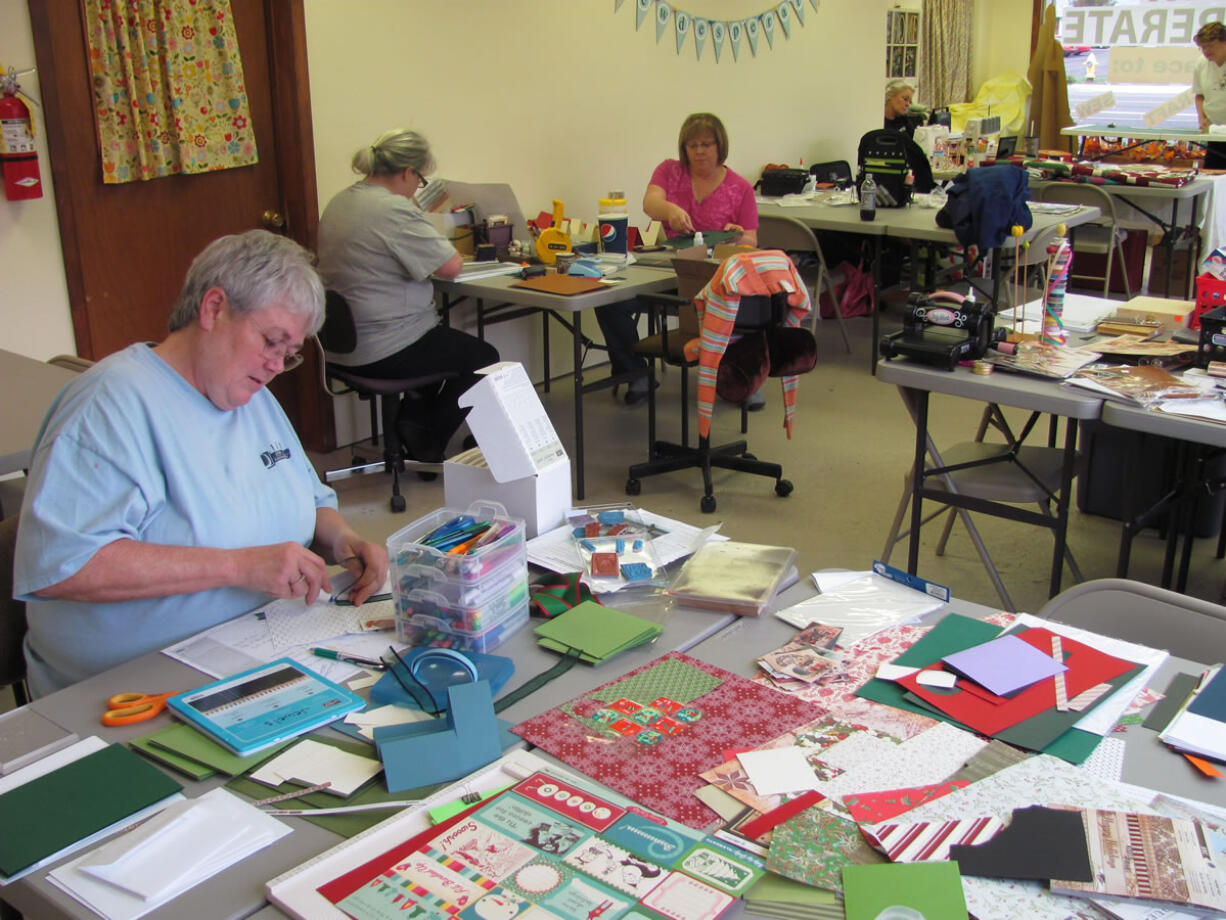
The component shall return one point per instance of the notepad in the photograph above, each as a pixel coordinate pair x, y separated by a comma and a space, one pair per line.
597, 632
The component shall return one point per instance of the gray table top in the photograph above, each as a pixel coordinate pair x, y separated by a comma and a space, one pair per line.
240, 889
912, 223
639, 279
1003, 388
31, 386
1193, 189
1148, 421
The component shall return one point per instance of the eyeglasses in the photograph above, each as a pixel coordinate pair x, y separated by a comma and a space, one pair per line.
699, 145
281, 350
422, 181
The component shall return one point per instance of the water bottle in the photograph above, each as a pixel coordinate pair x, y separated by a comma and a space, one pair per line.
868, 198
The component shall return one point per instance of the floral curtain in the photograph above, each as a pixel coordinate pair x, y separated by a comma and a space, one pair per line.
168, 88
945, 52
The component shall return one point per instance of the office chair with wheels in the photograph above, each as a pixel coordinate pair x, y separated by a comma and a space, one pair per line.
1103, 237
339, 336
12, 618
750, 316
792, 236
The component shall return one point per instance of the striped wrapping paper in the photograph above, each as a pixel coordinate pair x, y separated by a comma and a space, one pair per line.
929, 841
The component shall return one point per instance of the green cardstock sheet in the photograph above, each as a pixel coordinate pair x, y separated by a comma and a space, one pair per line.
187, 742
598, 632
53, 811
934, 889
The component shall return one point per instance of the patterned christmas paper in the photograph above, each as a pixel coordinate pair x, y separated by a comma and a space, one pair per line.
657, 760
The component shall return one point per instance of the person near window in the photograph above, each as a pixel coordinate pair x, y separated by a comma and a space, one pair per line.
379, 251
696, 191
168, 491
1209, 87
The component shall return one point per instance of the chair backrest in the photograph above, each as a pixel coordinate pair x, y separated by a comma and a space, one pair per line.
338, 334
835, 172
1080, 193
786, 233
71, 362
1137, 612
12, 613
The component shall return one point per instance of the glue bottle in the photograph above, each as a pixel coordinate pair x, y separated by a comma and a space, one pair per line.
868, 198
614, 220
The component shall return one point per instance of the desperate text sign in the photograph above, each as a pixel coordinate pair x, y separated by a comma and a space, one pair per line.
1152, 24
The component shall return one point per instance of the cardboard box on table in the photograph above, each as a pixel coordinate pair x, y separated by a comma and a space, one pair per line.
519, 461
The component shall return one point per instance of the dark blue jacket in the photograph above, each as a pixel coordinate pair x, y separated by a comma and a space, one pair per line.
984, 203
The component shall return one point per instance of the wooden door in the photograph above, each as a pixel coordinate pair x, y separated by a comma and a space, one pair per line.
127, 247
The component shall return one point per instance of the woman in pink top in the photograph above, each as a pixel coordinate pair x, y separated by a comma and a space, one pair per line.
697, 192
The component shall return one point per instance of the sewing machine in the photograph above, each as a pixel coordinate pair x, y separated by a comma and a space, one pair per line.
942, 329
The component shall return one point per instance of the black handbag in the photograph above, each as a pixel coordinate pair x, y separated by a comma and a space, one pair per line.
777, 182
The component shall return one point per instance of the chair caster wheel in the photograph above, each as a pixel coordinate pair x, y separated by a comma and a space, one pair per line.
397, 503
633, 487
783, 487
707, 504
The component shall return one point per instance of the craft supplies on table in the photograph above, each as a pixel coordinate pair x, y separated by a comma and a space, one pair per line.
460, 578
264, 706
615, 545
733, 577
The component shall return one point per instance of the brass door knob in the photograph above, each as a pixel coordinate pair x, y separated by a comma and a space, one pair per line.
273, 220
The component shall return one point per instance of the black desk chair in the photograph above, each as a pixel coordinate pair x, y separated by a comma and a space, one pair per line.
760, 327
339, 336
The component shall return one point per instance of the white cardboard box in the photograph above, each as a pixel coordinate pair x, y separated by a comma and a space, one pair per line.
519, 460
541, 499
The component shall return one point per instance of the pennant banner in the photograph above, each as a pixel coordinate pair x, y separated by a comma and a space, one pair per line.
782, 17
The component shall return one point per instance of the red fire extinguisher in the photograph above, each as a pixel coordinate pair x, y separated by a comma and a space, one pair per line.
18, 156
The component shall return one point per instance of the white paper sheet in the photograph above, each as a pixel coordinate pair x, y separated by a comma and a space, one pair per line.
862, 607
311, 762
778, 771
130, 857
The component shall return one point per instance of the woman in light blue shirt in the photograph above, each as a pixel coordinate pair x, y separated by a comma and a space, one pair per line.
168, 491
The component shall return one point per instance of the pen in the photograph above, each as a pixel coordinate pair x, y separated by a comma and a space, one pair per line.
373, 664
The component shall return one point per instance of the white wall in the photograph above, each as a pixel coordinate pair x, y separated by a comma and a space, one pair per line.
1000, 39
562, 98
34, 310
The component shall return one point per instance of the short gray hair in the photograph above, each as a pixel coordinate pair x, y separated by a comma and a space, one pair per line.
896, 86
393, 152
255, 269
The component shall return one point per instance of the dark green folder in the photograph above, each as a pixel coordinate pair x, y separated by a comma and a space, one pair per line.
54, 811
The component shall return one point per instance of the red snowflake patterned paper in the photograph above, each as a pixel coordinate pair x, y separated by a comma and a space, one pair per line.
663, 776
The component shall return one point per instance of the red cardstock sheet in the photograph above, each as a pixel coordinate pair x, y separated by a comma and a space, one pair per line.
988, 714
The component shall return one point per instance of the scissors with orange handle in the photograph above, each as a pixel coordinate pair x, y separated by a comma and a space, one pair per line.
128, 708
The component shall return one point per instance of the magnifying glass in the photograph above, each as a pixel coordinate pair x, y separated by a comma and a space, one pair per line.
433, 670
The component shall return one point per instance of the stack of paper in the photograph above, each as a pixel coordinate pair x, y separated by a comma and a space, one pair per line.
1137, 385
733, 577
775, 896
310, 763
184, 845
597, 633
48, 814
1200, 727
1042, 716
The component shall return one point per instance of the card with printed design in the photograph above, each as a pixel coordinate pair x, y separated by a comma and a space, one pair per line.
550, 848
